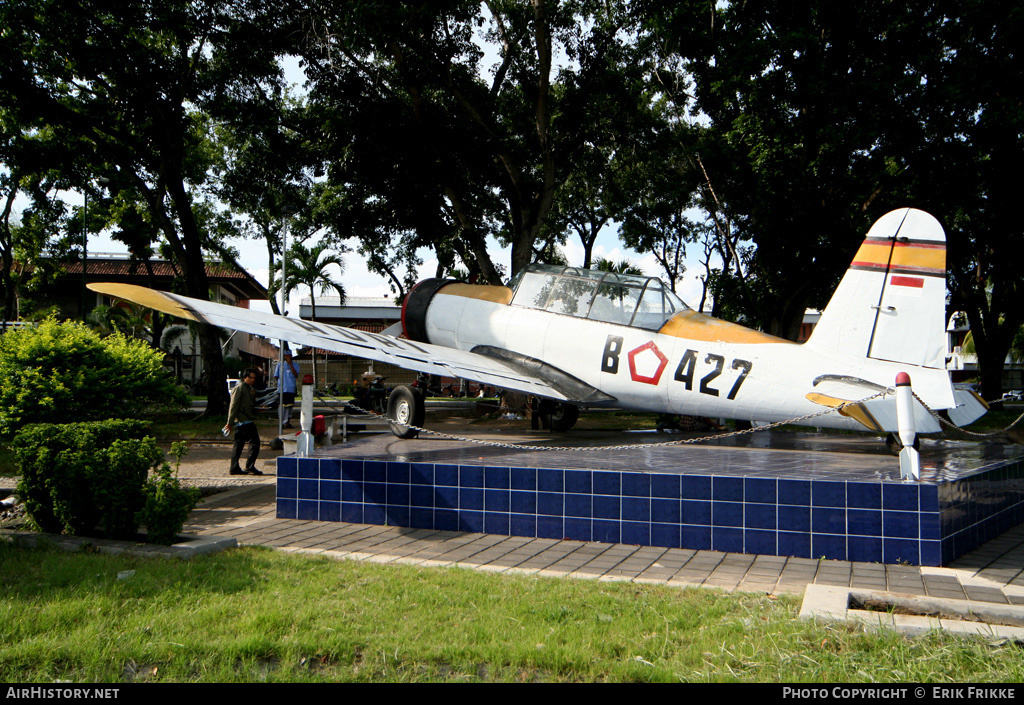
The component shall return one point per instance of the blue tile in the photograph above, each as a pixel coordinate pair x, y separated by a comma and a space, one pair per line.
309, 489
287, 488
865, 549
446, 520
352, 512
330, 511
578, 482
901, 550
666, 486
667, 535
929, 526
421, 518
726, 514
931, 553
523, 479
375, 471
309, 468
497, 478
330, 469
864, 522
695, 487
696, 512
550, 527
796, 492
578, 529
523, 525
697, 538
550, 480
828, 494
287, 467
446, 498
727, 489
796, 544
472, 522
636, 484
446, 475
828, 520
666, 511
606, 507
762, 542
578, 505
286, 508
929, 498
726, 539
607, 531
471, 498
330, 491
795, 518
636, 533
760, 516
760, 491
421, 473
636, 509
497, 501
901, 525
471, 476
398, 494
352, 470
900, 497
523, 502
375, 493
496, 523
607, 483
829, 546
551, 503
372, 514
308, 509
421, 496
864, 495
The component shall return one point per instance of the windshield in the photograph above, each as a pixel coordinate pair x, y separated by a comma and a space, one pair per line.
623, 299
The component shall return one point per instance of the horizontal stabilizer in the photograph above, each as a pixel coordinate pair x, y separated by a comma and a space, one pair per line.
969, 407
879, 414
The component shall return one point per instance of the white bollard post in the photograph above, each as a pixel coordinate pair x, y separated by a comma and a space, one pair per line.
307, 441
910, 459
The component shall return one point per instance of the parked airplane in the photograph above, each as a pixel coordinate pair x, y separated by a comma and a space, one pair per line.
581, 338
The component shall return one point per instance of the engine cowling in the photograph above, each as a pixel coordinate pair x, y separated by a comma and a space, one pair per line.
414, 308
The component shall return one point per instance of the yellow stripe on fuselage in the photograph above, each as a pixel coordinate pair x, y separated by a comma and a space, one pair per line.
857, 411
696, 326
484, 292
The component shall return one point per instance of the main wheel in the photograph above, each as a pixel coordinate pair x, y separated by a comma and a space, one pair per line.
406, 408
558, 415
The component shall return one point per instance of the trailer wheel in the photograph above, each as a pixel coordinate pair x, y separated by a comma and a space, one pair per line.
558, 415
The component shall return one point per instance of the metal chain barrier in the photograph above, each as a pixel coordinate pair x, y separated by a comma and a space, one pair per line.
683, 441
949, 424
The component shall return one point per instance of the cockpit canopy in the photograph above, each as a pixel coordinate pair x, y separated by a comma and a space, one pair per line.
623, 299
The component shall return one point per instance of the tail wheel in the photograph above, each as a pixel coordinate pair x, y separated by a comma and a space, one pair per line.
558, 416
406, 407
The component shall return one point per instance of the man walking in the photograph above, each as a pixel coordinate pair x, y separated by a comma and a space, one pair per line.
242, 419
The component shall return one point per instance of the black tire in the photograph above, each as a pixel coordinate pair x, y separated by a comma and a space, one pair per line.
406, 407
557, 415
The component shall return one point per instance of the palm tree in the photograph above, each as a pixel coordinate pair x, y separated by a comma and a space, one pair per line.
308, 266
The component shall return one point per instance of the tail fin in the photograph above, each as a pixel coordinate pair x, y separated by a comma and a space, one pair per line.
891, 304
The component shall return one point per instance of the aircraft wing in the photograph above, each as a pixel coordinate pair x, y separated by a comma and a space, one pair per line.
421, 357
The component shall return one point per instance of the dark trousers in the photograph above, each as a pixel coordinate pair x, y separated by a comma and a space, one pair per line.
246, 433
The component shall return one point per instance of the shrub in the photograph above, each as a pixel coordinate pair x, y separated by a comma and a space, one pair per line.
65, 372
75, 477
167, 503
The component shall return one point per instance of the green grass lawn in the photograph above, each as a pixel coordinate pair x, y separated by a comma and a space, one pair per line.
255, 614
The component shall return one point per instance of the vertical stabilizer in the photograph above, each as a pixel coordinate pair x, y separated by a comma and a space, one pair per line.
891, 304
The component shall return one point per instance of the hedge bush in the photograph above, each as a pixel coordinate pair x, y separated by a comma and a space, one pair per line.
80, 476
66, 372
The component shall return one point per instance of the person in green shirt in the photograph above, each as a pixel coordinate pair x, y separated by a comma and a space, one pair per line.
242, 419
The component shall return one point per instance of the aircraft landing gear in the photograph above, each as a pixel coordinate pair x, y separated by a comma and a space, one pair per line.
406, 407
557, 415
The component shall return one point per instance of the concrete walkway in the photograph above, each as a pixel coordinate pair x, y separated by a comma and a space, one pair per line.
994, 573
